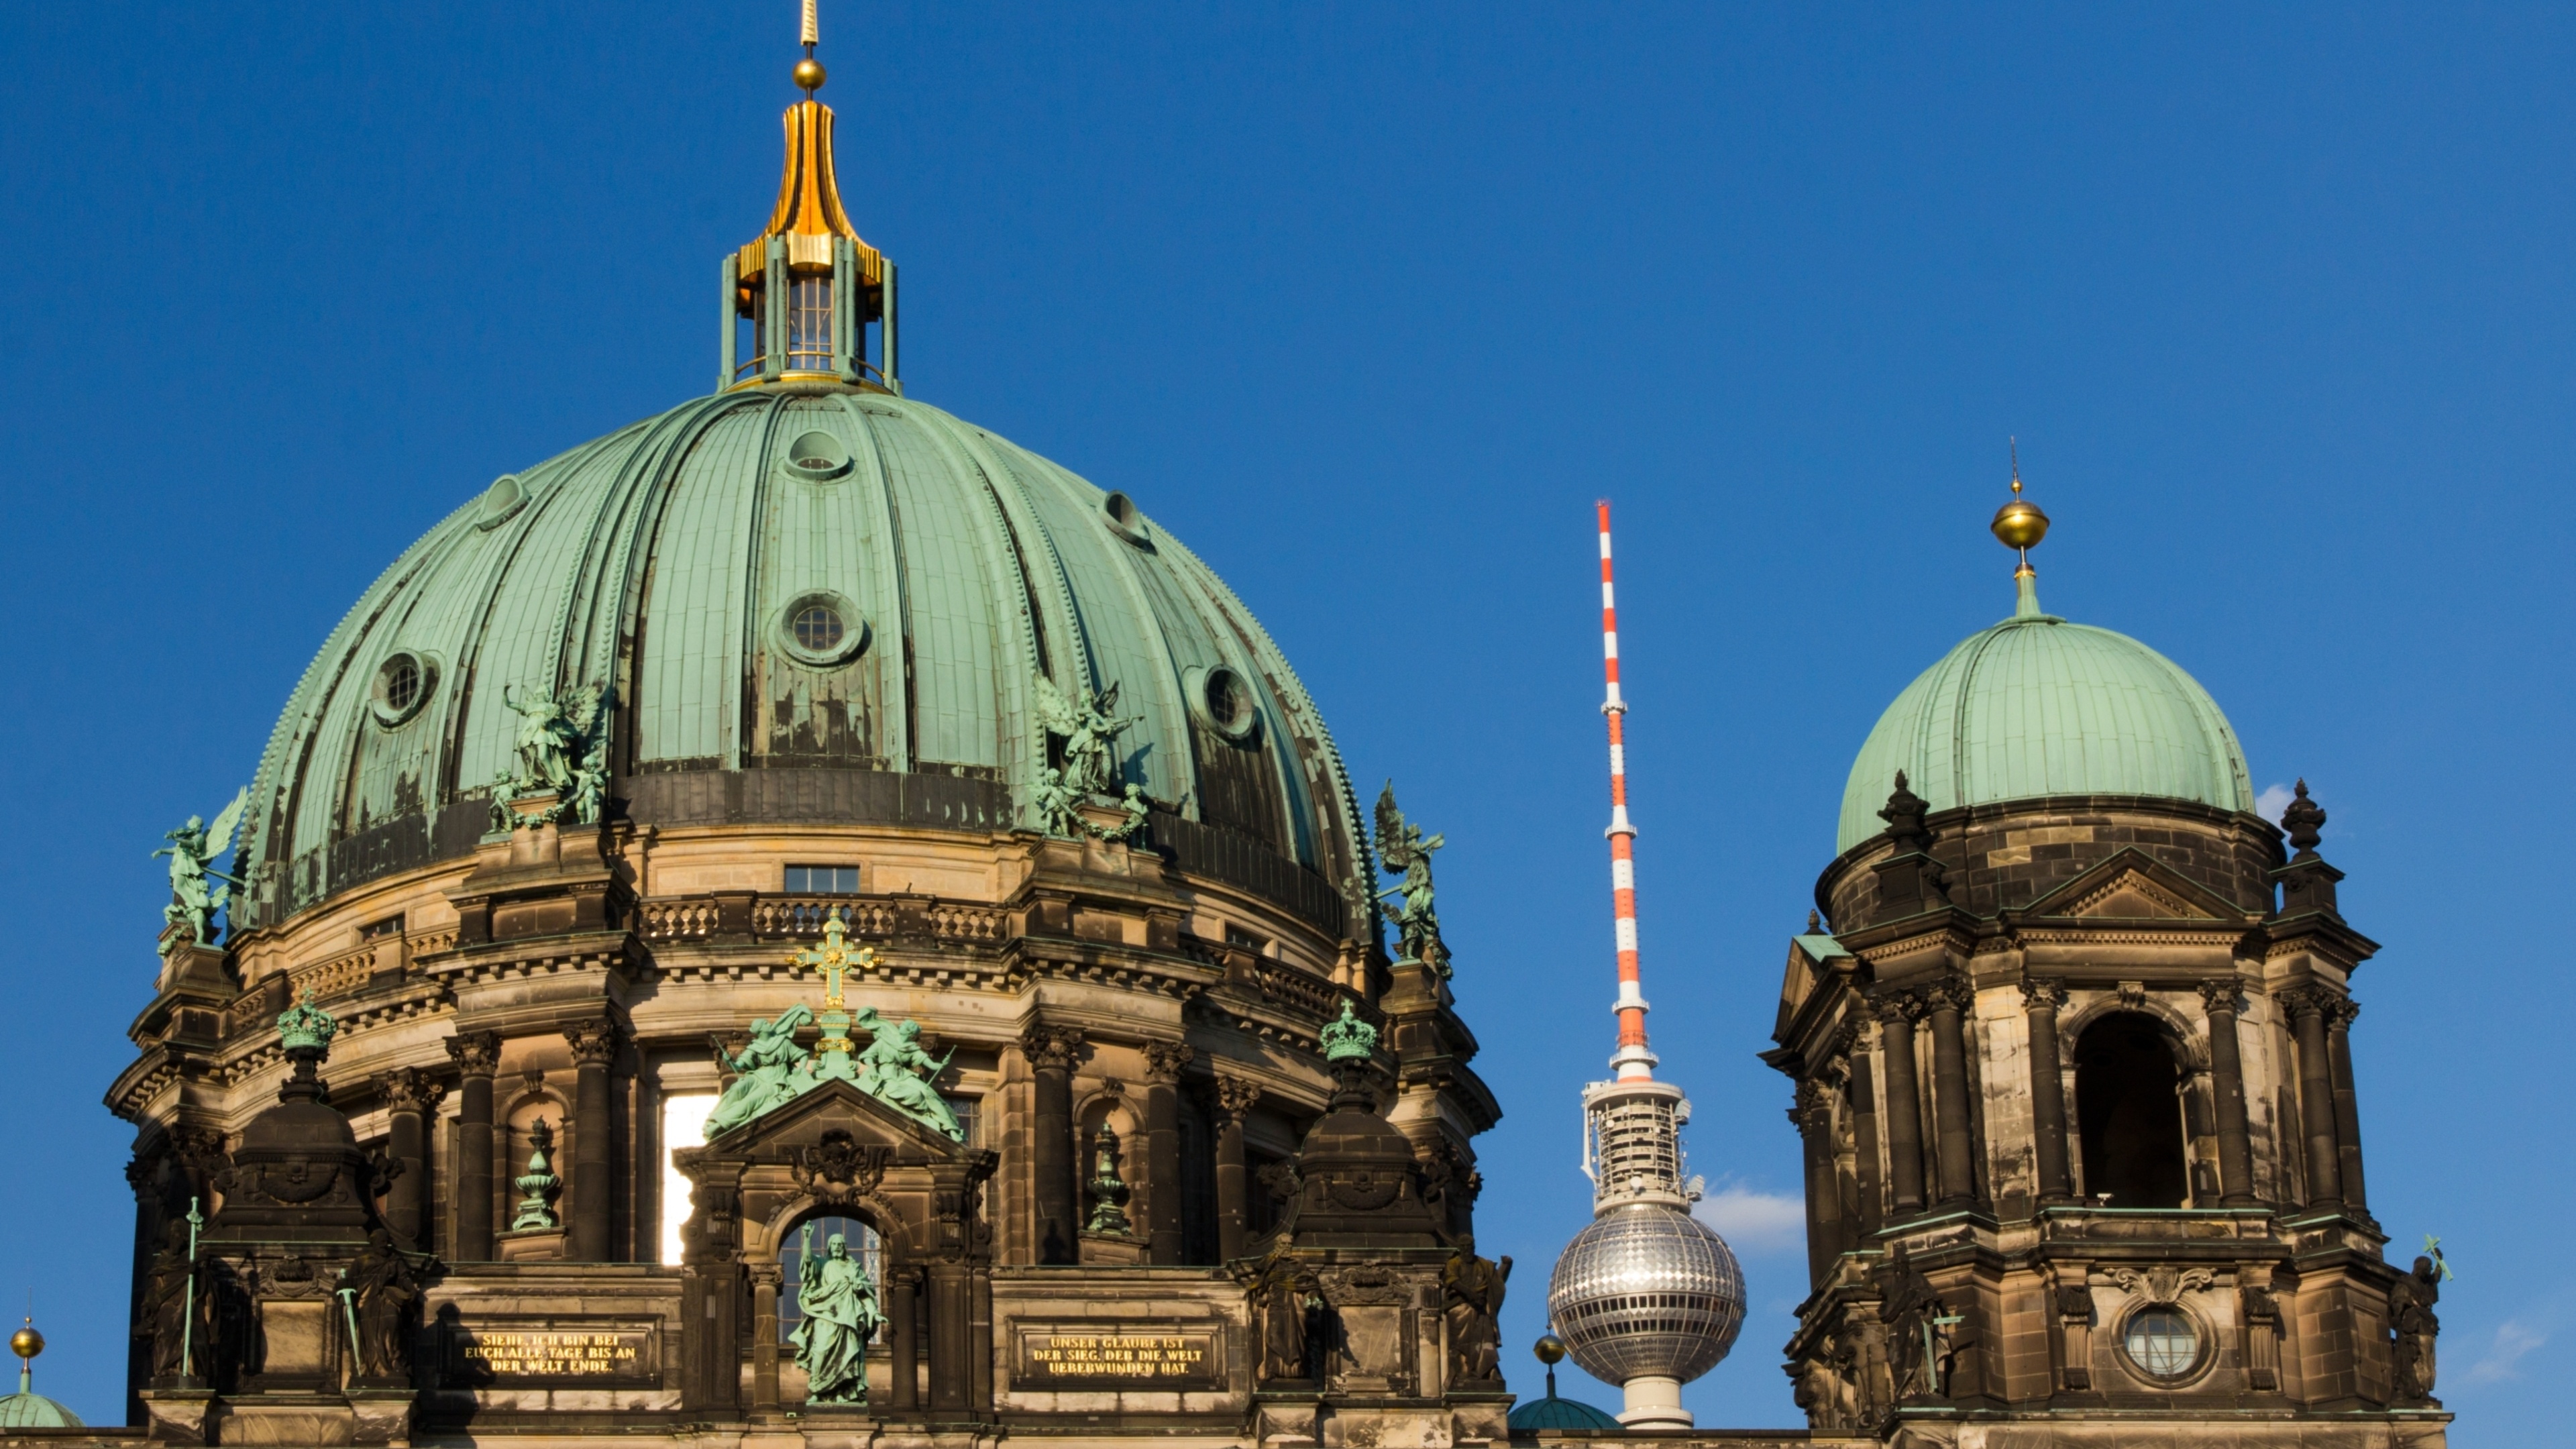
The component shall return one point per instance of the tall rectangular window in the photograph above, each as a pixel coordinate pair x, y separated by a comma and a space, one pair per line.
684, 1124
823, 880
968, 1110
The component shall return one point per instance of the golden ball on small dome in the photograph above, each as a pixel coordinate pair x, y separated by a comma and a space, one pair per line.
2020, 524
1549, 1348
27, 1342
809, 74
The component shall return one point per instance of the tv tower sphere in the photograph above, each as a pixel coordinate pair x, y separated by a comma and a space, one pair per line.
1646, 1297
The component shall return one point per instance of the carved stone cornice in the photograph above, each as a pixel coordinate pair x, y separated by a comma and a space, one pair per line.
1166, 1060
409, 1089
1051, 1047
1235, 1095
476, 1053
2043, 993
2222, 994
594, 1042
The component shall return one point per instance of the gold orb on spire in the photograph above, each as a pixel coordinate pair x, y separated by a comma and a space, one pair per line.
27, 1342
2019, 524
809, 75
1549, 1349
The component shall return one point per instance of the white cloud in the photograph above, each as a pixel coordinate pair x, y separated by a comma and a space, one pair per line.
1753, 1221
2514, 1338
2273, 800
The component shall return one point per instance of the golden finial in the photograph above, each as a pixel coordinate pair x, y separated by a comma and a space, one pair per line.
2019, 524
809, 71
27, 1342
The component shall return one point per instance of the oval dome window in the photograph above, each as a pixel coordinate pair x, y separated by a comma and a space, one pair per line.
1125, 519
402, 686
500, 501
822, 631
817, 455
1222, 700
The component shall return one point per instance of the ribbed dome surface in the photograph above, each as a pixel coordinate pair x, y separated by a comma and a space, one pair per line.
35, 1411
1555, 1413
2038, 706
672, 561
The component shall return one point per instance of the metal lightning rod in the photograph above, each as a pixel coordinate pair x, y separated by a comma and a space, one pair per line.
1633, 1062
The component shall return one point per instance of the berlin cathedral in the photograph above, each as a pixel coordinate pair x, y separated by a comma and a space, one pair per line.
802, 923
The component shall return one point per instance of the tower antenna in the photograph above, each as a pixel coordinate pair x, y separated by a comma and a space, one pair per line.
1633, 1062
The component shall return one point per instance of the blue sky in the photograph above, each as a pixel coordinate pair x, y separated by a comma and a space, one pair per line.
1368, 303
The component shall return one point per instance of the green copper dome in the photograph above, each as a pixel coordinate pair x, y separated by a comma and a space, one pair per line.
2039, 706
28, 1410
806, 604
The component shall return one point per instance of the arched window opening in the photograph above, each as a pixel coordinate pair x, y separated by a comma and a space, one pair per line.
862, 1244
2129, 1113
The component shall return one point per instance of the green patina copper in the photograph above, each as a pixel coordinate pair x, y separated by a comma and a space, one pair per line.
305, 1026
1403, 849
538, 1185
562, 758
838, 1303
1081, 730
197, 889
1347, 1038
1109, 1191
774, 1070
674, 556
2037, 706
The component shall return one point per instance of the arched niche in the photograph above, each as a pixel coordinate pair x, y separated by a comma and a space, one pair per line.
2130, 1122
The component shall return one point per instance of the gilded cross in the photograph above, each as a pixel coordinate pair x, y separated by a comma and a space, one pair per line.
833, 957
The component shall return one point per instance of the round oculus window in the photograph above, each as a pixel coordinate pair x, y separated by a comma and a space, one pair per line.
403, 684
822, 631
2162, 1341
1222, 700
500, 501
1125, 519
817, 455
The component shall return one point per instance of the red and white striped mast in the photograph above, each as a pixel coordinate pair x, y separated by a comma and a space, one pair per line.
1633, 1062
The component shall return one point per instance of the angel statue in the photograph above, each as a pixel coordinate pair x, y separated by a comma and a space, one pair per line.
1402, 848
562, 750
192, 850
888, 1064
1087, 724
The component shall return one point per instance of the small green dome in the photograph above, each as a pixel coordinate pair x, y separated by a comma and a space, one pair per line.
1555, 1413
2038, 706
35, 1411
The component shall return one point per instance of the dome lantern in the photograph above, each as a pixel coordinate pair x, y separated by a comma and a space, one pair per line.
799, 298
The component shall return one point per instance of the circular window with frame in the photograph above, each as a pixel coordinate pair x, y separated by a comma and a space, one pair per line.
822, 630
1222, 700
817, 456
501, 502
2163, 1343
1123, 517
402, 687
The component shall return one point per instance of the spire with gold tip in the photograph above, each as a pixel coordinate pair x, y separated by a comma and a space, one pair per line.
799, 298
2019, 526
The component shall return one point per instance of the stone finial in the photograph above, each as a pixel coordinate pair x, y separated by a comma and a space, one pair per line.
536, 1210
1815, 922
2303, 819
1904, 813
1348, 1038
1109, 1191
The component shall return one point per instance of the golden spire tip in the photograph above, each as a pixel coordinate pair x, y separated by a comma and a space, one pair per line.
2019, 525
809, 71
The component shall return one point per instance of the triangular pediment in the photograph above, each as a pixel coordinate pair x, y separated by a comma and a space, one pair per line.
836, 1105
2133, 886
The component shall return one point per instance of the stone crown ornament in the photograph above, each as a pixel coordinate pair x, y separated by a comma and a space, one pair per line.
1348, 1038
305, 1026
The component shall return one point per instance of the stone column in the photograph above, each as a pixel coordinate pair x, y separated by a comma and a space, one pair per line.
594, 1044
1234, 1098
765, 1278
951, 1377
1897, 1013
2339, 1016
2041, 996
2308, 1007
903, 1350
1051, 1051
477, 1056
1955, 1149
1871, 1208
1813, 1115
409, 1096
2219, 998
1163, 1063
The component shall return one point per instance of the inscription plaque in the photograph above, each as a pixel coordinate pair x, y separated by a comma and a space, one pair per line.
555, 1351
1082, 1358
